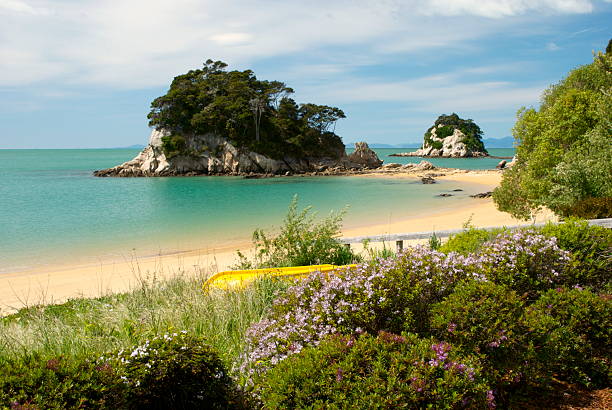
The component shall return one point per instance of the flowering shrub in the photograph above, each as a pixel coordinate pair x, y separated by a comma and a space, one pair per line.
469, 241
485, 318
365, 372
391, 294
525, 261
172, 371
574, 329
590, 250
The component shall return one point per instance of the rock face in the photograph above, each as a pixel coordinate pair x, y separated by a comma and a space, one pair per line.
213, 155
451, 146
365, 156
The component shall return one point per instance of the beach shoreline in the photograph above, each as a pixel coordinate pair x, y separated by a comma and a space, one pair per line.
55, 284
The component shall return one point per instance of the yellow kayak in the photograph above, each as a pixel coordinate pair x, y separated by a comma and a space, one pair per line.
240, 278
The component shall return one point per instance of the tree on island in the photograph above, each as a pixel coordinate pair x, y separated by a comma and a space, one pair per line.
253, 114
564, 152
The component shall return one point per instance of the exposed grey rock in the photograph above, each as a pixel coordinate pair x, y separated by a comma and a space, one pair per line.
501, 165
213, 155
426, 165
392, 165
365, 156
452, 147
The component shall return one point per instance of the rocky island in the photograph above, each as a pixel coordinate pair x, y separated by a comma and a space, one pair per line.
451, 137
218, 122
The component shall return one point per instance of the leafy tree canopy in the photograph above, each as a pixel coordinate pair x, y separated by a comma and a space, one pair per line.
564, 152
254, 114
472, 132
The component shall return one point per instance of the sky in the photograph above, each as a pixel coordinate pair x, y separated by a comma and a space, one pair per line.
82, 73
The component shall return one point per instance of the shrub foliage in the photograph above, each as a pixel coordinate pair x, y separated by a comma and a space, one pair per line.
564, 152
388, 371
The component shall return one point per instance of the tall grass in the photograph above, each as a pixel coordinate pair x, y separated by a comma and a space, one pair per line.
90, 327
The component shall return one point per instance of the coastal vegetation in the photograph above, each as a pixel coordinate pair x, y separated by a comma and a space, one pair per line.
564, 150
511, 316
253, 114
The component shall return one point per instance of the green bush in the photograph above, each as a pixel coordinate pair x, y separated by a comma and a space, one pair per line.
486, 319
591, 208
445, 131
388, 371
301, 241
564, 151
590, 250
469, 241
174, 145
173, 371
573, 329
37, 382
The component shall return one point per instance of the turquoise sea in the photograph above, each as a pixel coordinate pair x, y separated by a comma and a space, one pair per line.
52, 210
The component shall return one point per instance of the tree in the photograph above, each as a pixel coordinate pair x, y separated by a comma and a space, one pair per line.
237, 106
321, 117
564, 150
258, 105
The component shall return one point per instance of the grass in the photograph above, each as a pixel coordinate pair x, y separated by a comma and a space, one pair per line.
90, 327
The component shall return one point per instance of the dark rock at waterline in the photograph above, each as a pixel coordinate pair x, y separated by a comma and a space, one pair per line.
428, 180
457, 190
482, 195
501, 165
444, 195
363, 155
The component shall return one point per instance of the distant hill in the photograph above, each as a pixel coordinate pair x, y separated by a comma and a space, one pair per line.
505, 142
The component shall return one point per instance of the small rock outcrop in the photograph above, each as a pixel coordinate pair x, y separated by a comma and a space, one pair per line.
501, 165
213, 155
450, 137
425, 165
365, 156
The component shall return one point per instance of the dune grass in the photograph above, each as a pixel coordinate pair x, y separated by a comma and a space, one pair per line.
90, 327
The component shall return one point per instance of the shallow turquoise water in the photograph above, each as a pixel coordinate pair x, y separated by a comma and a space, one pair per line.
53, 210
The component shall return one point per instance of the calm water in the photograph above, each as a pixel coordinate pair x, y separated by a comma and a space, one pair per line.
52, 210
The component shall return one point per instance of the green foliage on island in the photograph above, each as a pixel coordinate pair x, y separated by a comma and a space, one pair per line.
564, 152
254, 114
472, 132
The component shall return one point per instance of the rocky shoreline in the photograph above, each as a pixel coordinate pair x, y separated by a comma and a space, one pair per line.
213, 155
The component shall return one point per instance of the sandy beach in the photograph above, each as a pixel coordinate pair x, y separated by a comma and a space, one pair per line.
54, 284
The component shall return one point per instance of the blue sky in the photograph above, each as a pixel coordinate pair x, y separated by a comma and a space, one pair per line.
82, 73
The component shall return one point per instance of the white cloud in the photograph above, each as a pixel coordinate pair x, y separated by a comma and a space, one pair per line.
552, 46
505, 8
18, 6
142, 43
454, 91
232, 39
